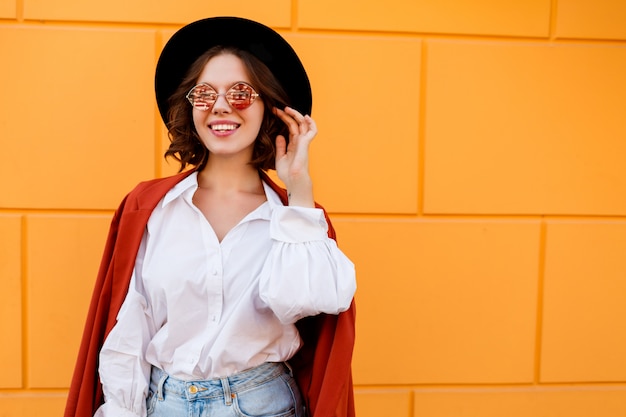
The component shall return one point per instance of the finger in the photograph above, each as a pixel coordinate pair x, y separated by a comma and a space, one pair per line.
290, 122
281, 146
302, 121
311, 124
307, 128
294, 113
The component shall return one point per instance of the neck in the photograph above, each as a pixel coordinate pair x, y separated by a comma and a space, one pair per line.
220, 175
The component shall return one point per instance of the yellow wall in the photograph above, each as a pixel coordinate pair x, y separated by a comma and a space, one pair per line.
472, 154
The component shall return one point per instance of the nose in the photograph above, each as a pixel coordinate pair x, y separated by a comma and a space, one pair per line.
221, 105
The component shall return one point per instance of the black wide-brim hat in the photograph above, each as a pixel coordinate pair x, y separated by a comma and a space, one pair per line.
191, 41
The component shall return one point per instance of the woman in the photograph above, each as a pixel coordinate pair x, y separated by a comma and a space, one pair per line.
219, 293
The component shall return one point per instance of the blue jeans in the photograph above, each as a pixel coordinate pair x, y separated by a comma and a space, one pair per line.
268, 390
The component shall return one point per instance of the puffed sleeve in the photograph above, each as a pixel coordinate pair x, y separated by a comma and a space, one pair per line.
305, 273
124, 373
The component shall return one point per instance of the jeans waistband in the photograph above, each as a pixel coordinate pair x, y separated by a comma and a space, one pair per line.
217, 387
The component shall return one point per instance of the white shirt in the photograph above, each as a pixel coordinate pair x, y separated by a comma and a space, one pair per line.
200, 309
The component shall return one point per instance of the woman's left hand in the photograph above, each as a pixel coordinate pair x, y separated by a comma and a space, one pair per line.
292, 158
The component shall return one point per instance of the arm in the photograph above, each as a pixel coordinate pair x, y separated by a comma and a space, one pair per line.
305, 273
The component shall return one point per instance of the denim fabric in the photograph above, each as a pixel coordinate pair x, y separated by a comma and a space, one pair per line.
269, 390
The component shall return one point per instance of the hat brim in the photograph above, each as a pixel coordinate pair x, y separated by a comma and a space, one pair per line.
194, 39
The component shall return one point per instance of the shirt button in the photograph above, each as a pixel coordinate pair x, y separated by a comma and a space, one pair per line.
193, 389
214, 272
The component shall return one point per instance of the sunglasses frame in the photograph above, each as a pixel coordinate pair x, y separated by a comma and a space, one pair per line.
253, 96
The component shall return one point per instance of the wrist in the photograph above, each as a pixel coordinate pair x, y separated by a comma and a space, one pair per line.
301, 194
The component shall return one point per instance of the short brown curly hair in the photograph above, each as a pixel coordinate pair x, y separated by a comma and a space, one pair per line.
185, 144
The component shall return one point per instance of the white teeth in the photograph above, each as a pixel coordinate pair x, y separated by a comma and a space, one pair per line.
224, 127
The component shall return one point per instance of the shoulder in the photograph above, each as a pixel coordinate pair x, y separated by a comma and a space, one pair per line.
156, 188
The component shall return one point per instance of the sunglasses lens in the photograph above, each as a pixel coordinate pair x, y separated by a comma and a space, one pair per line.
241, 96
202, 96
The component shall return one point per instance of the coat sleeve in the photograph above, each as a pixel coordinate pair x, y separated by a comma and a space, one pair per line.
323, 365
85, 393
330, 387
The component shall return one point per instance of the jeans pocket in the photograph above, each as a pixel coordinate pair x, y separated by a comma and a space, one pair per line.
274, 398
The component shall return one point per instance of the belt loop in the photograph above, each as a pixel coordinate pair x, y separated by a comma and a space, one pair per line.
290, 368
228, 399
160, 386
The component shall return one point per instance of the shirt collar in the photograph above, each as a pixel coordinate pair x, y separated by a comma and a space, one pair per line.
188, 184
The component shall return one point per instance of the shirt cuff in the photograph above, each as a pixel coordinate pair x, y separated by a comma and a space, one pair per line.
291, 224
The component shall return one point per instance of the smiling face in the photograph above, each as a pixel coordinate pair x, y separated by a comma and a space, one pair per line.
226, 131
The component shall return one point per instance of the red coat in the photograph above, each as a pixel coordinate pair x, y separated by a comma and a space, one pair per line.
322, 367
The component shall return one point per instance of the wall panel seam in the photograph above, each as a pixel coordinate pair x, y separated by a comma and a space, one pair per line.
554, 8
421, 129
540, 300
575, 386
24, 298
133, 25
